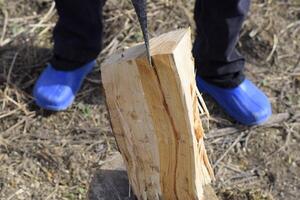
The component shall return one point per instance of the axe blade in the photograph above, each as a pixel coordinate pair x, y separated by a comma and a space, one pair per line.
140, 7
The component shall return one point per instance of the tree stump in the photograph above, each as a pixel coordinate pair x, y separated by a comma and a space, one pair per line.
155, 116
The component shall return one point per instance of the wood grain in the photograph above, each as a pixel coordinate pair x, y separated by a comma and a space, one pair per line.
156, 120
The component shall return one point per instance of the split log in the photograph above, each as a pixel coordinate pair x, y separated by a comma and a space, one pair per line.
155, 117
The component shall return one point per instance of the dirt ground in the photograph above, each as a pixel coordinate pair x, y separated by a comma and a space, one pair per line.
48, 156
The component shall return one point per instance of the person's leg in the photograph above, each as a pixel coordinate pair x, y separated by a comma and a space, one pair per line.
77, 43
78, 33
220, 67
218, 27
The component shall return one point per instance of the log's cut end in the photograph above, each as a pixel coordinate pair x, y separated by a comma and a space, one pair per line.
155, 117
158, 45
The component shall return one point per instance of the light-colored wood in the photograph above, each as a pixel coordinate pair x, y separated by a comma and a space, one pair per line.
156, 120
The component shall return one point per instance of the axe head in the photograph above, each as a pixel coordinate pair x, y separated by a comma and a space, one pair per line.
140, 7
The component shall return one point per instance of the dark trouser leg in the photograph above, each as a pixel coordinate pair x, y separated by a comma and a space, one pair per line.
218, 26
78, 33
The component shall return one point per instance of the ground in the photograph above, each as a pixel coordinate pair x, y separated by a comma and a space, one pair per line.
54, 155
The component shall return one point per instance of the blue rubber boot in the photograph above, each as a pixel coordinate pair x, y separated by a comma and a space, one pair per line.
56, 90
245, 103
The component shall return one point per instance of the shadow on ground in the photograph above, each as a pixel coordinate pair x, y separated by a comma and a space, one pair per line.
110, 185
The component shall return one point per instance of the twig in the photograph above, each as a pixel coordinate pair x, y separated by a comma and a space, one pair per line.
8, 40
9, 113
47, 16
291, 25
52, 193
287, 141
275, 119
4, 26
222, 132
11, 67
247, 139
20, 191
297, 65
229, 149
233, 168
94, 81
14, 126
249, 180
275, 44
18, 105
202, 103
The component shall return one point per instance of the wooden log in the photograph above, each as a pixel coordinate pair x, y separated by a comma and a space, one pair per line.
156, 120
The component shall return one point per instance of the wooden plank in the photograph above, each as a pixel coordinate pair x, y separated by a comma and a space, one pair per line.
155, 118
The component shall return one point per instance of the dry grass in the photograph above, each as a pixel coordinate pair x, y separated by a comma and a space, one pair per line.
53, 155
